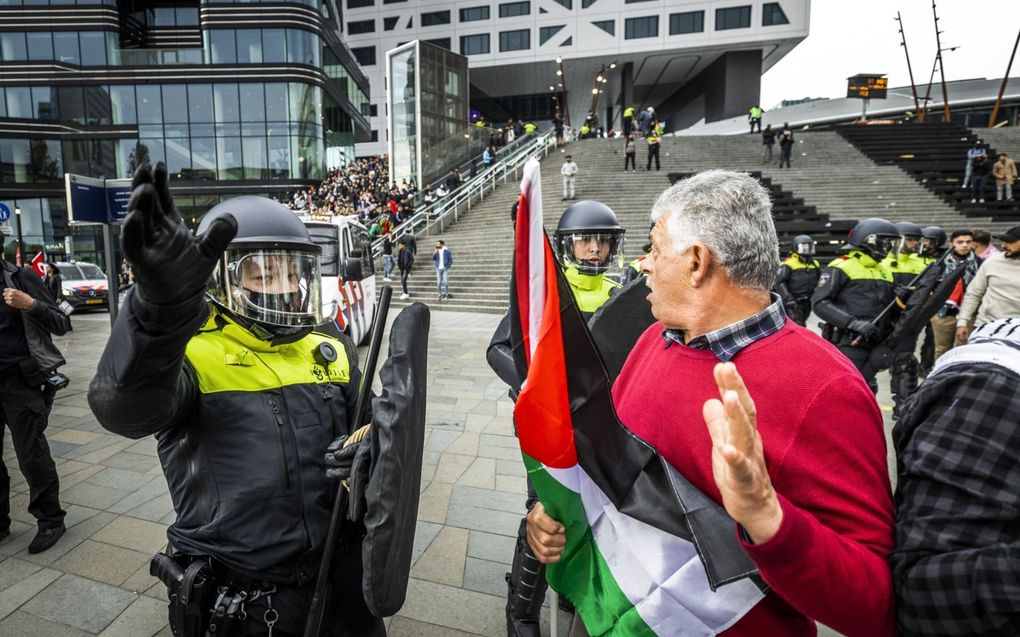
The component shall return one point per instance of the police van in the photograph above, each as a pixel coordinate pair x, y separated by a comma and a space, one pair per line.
348, 273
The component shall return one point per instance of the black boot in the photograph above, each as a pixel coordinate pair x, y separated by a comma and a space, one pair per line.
526, 586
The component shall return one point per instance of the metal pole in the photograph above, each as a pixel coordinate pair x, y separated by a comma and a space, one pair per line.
1002, 87
947, 116
111, 271
910, 69
927, 93
20, 254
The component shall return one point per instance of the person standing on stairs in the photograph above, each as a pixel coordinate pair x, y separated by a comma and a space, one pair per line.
768, 140
785, 145
979, 179
442, 259
977, 151
569, 171
405, 261
1004, 171
754, 116
653, 148
629, 153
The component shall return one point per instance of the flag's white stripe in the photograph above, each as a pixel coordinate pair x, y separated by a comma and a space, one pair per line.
531, 186
659, 573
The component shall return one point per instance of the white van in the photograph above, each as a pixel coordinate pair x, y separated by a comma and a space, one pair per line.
84, 285
348, 273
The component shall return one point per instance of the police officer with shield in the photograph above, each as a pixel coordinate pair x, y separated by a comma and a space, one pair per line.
798, 278
852, 293
214, 353
587, 240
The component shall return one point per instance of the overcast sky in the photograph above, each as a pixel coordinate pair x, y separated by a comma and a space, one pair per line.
861, 36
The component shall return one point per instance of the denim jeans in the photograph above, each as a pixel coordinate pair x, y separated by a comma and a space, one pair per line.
442, 282
388, 264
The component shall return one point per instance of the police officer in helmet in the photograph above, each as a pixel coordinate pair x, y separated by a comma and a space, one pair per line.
214, 353
588, 240
905, 266
798, 278
934, 243
852, 292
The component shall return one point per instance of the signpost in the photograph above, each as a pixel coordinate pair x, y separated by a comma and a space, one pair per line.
103, 201
867, 86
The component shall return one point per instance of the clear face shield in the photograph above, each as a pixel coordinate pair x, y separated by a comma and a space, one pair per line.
928, 247
805, 249
591, 252
883, 244
273, 287
909, 244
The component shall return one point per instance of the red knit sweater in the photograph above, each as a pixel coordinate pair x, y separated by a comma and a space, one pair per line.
826, 455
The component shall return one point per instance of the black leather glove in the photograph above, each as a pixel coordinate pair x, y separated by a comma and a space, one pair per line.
340, 459
170, 265
866, 329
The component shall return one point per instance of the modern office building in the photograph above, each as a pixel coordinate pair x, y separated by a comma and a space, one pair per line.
237, 98
691, 60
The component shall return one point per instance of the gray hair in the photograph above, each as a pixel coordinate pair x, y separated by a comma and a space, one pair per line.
729, 212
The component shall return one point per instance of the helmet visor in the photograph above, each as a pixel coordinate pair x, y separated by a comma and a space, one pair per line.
884, 244
806, 248
591, 252
270, 286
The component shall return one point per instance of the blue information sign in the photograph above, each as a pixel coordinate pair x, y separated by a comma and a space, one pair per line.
118, 193
5, 213
86, 199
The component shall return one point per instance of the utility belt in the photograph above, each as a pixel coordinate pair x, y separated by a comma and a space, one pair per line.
207, 599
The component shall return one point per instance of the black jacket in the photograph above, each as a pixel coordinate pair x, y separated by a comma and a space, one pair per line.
44, 319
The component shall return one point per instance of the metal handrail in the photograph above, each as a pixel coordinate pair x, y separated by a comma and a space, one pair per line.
437, 213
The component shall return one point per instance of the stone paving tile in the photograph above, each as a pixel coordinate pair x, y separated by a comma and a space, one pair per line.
484, 576
144, 617
405, 627
491, 546
119, 479
13, 570
154, 510
132, 533
481, 473
486, 520
435, 502
101, 561
130, 461
18, 528
93, 495
499, 451
467, 496
424, 533
511, 468
511, 484
74, 437
17, 594
76, 477
80, 602
451, 466
443, 560
465, 444
22, 624
455, 607
75, 535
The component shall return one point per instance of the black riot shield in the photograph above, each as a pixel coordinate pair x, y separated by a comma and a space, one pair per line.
389, 488
925, 301
616, 326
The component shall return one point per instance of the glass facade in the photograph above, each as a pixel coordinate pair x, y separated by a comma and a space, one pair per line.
222, 126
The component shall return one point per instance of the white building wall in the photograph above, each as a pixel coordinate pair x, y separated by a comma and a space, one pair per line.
588, 42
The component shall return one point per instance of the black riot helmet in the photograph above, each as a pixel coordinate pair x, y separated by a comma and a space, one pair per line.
804, 247
875, 237
909, 230
933, 241
589, 237
269, 276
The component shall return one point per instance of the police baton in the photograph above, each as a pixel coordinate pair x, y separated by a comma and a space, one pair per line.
318, 606
892, 304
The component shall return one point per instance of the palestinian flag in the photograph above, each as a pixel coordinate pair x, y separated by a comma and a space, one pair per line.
646, 553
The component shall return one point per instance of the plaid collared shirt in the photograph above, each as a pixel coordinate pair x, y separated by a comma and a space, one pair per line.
726, 342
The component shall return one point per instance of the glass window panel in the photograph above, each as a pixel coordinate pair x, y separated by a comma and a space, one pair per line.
200, 103
40, 46
222, 46
102, 158
643, 27
98, 110
253, 103
122, 99
178, 158
276, 102
274, 45
93, 48
772, 14
3, 103
249, 46
609, 26
515, 40
689, 22
435, 18
471, 14
187, 16
175, 131
13, 47
279, 157
302, 47
112, 48
72, 104
547, 32
511, 9
44, 103
228, 129
390, 23
203, 130
19, 102
164, 17
65, 48
175, 104
364, 54
154, 149
253, 128
76, 156
358, 4
203, 158
255, 162
150, 130
131, 154
225, 105
228, 158
44, 160
356, 27
732, 18
14, 156
150, 105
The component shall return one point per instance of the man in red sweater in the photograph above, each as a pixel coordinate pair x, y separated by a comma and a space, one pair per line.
798, 460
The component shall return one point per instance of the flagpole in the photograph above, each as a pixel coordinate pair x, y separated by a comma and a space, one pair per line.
554, 613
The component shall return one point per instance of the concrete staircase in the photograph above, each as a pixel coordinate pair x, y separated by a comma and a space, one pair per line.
1006, 140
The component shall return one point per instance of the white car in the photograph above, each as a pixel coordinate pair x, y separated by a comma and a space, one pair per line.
84, 285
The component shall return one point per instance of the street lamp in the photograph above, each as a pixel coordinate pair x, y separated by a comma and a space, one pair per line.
21, 241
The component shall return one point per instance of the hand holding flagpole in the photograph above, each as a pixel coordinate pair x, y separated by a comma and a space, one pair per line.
738, 459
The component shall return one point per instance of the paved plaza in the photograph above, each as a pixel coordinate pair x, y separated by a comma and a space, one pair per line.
95, 581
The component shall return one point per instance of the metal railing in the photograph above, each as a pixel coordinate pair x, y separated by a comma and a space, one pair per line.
446, 210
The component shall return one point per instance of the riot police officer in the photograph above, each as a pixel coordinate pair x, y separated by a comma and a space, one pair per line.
905, 266
588, 240
798, 278
852, 292
934, 243
214, 353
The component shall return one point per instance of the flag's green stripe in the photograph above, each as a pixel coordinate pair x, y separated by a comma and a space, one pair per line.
582, 575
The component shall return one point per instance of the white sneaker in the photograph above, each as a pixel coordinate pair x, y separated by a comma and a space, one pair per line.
973, 200
405, 295
981, 200
386, 278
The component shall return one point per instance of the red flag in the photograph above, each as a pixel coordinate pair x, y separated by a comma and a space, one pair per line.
39, 265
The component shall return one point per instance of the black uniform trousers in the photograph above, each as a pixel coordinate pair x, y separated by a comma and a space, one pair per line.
799, 311
25, 410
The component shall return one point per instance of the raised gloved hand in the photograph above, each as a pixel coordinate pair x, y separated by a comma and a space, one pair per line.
340, 458
169, 263
866, 329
